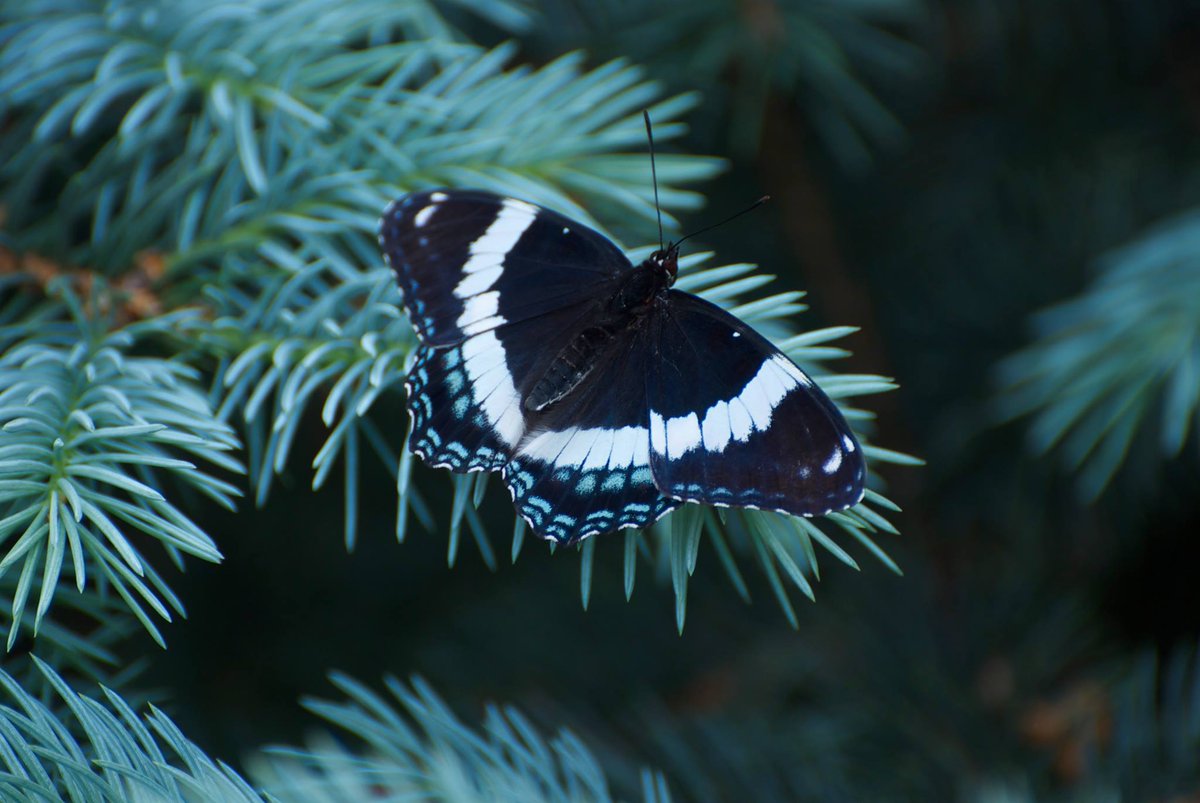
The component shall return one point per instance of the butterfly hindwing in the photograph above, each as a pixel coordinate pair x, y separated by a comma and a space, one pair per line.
733, 421
450, 429
469, 261
584, 465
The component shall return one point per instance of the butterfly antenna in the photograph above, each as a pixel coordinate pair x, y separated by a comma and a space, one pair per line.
749, 208
654, 175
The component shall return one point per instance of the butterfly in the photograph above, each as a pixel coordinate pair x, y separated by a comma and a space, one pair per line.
604, 397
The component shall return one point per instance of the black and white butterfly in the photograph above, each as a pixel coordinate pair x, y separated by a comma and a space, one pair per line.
604, 397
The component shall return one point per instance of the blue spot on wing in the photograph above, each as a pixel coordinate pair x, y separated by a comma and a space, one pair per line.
566, 504
447, 429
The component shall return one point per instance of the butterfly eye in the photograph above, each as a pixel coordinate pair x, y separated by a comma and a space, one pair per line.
669, 259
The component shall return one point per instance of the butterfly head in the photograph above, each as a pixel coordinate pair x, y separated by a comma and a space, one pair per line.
666, 262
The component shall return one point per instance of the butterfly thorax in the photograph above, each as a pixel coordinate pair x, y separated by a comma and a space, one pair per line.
638, 288
634, 295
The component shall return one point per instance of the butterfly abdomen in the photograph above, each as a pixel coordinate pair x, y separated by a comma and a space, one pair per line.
627, 304
571, 366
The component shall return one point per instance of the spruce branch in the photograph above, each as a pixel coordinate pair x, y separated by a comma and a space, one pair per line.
82, 645
167, 115
90, 435
1120, 360
1136, 734
315, 340
89, 750
190, 128
832, 59
258, 171
414, 745
85, 749
1157, 725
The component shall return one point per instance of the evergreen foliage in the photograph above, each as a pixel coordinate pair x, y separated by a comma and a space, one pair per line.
87, 749
195, 321
832, 58
273, 231
251, 145
1156, 708
423, 750
81, 748
1124, 351
91, 433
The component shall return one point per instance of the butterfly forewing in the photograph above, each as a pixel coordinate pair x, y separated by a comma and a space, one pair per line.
733, 421
470, 261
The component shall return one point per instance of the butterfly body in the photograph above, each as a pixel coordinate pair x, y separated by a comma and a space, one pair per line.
634, 296
605, 397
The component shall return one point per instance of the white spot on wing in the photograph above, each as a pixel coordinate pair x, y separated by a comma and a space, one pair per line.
520, 206
602, 446
593, 448
546, 446
683, 435
848, 442
625, 446
758, 403
492, 386
715, 428
740, 422
478, 308
751, 409
791, 369
835, 460
777, 381
479, 281
422, 217
641, 447
495, 243
484, 325
577, 448
621, 455
658, 433
485, 265
438, 197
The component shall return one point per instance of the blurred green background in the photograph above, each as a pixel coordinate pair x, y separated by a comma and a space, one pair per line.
1005, 197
